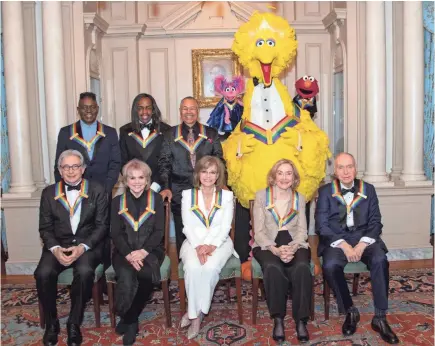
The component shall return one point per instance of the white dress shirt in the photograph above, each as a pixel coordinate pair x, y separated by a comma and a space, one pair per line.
348, 198
72, 196
145, 133
267, 108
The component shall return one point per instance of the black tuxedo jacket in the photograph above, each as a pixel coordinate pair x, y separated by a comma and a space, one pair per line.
54, 219
331, 214
106, 160
132, 149
175, 168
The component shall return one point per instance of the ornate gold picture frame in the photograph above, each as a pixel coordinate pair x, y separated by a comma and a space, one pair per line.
206, 65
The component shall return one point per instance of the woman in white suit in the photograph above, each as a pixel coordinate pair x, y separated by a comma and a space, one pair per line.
207, 212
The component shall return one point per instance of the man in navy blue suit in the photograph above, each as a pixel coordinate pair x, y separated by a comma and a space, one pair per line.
97, 143
348, 222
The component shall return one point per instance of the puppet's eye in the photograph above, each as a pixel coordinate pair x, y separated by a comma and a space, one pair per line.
259, 43
227, 89
311, 79
270, 42
305, 78
233, 89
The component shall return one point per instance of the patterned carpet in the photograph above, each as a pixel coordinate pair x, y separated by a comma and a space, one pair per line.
411, 316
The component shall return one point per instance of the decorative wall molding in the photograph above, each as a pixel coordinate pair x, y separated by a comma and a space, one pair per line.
129, 30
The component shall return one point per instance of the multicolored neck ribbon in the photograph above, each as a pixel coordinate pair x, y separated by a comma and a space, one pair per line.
149, 210
358, 196
60, 195
270, 136
89, 146
294, 210
191, 149
198, 212
144, 142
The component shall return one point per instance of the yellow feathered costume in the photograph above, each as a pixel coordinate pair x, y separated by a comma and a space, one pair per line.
272, 128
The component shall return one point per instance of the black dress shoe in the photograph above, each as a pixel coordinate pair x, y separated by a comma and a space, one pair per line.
130, 334
302, 331
278, 329
74, 335
51, 333
121, 327
380, 325
350, 323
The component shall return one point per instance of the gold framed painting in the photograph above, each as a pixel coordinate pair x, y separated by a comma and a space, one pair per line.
207, 64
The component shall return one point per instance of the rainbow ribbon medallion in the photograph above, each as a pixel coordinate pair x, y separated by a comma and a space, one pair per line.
149, 210
143, 142
201, 137
60, 196
271, 207
89, 146
206, 221
270, 136
358, 197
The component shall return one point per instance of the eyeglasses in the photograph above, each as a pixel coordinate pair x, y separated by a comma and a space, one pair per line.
68, 167
92, 108
191, 109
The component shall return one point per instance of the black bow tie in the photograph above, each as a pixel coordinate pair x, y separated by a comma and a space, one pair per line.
70, 187
344, 191
149, 126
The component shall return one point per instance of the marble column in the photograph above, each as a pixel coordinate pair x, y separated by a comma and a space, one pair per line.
375, 168
54, 75
413, 93
16, 100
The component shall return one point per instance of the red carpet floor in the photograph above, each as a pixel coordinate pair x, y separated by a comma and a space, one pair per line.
411, 316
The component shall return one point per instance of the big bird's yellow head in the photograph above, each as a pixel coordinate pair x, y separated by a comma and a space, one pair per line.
265, 45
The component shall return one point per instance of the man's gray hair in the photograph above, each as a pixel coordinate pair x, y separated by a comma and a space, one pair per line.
71, 152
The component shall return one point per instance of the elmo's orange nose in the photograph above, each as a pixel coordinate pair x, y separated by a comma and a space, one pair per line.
307, 84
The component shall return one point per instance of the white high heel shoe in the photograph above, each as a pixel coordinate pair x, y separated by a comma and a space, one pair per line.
185, 322
195, 327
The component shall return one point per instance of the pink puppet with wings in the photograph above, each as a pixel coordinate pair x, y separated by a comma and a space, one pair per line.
228, 112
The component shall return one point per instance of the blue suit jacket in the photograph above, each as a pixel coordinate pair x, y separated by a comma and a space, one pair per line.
331, 215
106, 160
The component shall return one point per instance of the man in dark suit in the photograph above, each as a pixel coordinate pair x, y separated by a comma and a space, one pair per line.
183, 145
73, 223
142, 138
98, 144
348, 222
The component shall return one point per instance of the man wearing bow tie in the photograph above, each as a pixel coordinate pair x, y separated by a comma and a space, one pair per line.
348, 222
142, 138
73, 223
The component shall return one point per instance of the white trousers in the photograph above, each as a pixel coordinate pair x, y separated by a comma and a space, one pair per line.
201, 280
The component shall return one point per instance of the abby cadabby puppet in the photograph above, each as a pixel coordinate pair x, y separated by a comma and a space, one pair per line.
228, 112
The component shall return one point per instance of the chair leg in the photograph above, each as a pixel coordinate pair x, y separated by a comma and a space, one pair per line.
313, 306
355, 284
255, 283
228, 283
182, 294
41, 315
239, 299
165, 288
96, 288
110, 294
326, 297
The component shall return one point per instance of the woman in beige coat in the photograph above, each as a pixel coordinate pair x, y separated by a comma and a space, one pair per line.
281, 248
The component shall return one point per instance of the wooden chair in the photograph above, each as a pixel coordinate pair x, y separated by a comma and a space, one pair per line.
257, 275
65, 278
165, 274
231, 270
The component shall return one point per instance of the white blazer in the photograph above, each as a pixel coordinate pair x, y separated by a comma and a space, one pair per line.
196, 232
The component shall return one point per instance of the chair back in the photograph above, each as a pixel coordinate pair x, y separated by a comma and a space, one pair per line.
251, 214
167, 207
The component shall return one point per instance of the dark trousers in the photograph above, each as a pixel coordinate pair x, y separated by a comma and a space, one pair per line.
279, 276
46, 275
242, 235
179, 235
126, 275
374, 257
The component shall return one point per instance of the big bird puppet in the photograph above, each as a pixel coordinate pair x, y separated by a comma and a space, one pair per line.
272, 126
